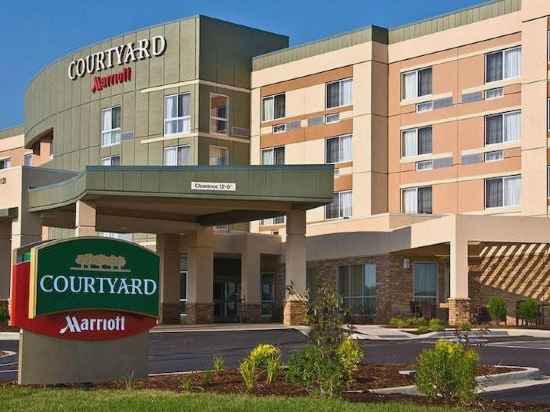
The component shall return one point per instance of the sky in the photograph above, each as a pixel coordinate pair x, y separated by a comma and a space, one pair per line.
34, 33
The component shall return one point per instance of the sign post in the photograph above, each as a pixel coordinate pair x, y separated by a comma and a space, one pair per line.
85, 306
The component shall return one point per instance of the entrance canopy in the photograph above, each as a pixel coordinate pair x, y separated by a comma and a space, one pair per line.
141, 198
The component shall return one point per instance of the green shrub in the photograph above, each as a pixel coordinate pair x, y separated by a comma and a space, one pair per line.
465, 326
248, 373
497, 309
350, 356
528, 310
262, 353
423, 329
4, 314
396, 322
218, 364
186, 384
272, 369
314, 372
436, 325
448, 371
206, 378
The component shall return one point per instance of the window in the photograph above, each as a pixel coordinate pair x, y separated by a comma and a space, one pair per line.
273, 156
503, 128
415, 142
27, 159
494, 156
183, 285
219, 114
338, 149
5, 163
494, 93
425, 282
219, 156
177, 114
177, 156
424, 107
273, 107
332, 118
338, 93
357, 287
114, 235
277, 220
279, 128
110, 126
503, 64
503, 191
425, 165
417, 200
416, 83
340, 206
111, 161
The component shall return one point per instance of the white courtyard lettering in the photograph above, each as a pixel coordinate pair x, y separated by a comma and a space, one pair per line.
97, 285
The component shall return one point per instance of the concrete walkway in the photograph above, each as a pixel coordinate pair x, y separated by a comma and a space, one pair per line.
380, 332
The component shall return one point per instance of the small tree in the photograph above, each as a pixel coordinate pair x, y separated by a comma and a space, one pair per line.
528, 310
497, 309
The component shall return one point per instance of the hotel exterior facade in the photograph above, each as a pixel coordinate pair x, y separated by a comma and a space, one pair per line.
407, 166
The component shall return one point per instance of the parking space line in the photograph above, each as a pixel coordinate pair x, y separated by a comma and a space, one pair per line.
536, 345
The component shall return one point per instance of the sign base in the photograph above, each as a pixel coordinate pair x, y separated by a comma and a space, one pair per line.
44, 360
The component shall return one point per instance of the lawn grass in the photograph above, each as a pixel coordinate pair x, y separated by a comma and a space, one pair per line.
27, 399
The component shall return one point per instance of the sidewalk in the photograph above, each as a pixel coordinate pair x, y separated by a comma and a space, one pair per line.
379, 332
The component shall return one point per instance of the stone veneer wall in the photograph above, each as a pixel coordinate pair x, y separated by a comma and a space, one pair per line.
394, 284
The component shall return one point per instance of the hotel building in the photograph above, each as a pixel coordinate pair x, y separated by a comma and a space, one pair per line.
407, 166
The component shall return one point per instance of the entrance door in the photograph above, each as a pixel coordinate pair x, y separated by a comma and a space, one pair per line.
227, 294
267, 294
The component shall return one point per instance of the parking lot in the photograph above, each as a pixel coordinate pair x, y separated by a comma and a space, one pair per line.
187, 351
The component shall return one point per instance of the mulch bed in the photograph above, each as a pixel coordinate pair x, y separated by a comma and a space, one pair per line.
4, 327
369, 376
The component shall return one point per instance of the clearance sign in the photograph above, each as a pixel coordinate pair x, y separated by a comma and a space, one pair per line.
89, 288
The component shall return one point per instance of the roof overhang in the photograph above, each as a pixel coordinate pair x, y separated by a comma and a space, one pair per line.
170, 193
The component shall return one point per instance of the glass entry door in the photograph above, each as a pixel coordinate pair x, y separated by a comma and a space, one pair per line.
227, 294
267, 294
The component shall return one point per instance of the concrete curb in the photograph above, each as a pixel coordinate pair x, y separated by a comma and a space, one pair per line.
9, 335
7, 354
490, 383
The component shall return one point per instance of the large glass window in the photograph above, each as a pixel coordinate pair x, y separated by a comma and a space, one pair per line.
273, 156
177, 156
218, 156
416, 83
416, 142
339, 149
111, 161
417, 200
340, 206
357, 287
503, 191
177, 114
110, 126
273, 107
219, 114
425, 282
5, 163
503, 127
338, 93
503, 64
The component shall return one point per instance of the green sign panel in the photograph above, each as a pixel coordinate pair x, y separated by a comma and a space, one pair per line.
93, 273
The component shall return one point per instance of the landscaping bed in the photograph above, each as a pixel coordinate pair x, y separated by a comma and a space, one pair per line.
368, 376
229, 382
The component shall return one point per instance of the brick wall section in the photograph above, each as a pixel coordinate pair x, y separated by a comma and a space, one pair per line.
200, 313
